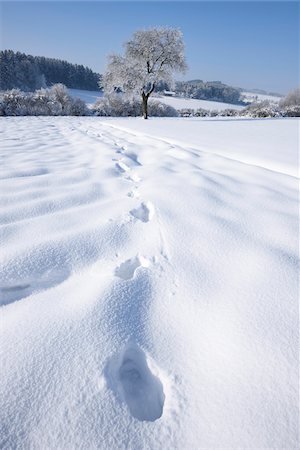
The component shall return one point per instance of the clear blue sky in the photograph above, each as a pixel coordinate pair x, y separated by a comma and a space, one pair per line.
247, 44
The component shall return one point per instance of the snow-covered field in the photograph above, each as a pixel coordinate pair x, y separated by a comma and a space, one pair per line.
178, 103
193, 103
253, 97
89, 97
149, 283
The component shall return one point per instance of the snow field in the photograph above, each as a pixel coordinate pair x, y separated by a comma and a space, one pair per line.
148, 284
253, 97
90, 98
194, 103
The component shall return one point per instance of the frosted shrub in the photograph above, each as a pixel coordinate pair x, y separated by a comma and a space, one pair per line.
119, 105
201, 113
1, 106
186, 112
100, 107
291, 104
261, 110
291, 111
38, 103
42, 103
158, 109
122, 106
13, 103
60, 94
292, 99
229, 112
78, 107
55, 107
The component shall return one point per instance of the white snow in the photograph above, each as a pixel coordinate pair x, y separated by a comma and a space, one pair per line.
253, 97
193, 103
149, 283
89, 97
269, 143
178, 103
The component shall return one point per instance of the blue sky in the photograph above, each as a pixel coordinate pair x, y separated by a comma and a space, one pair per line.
247, 44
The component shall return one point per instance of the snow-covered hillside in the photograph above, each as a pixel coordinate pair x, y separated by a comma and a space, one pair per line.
193, 103
148, 283
89, 97
253, 97
178, 103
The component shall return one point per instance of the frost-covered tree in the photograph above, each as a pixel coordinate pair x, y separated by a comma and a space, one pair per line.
61, 95
292, 98
150, 57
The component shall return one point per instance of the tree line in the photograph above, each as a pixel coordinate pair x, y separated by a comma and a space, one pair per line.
208, 90
28, 73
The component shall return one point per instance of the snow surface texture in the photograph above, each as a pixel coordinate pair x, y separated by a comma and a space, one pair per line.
269, 143
148, 284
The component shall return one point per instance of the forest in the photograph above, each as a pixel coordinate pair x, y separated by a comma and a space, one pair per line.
28, 73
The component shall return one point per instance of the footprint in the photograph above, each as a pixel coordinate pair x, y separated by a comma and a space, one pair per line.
120, 147
144, 212
127, 269
133, 194
122, 167
133, 157
139, 387
134, 178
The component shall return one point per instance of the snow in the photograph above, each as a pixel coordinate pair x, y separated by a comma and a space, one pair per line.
149, 283
182, 103
89, 97
178, 103
268, 143
253, 97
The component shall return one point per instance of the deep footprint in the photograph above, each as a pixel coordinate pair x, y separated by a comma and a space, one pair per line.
144, 212
142, 391
133, 157
127, 269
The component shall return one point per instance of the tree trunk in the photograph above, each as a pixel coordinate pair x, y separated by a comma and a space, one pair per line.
145, 101
145, 105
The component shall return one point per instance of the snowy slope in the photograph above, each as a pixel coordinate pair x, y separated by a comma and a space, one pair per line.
182, 103
253, 97
89, 97
148, 287
178, 103
269, 143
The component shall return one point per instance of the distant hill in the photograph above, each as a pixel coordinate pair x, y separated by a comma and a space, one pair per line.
208, 90
27, 72
263, 92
